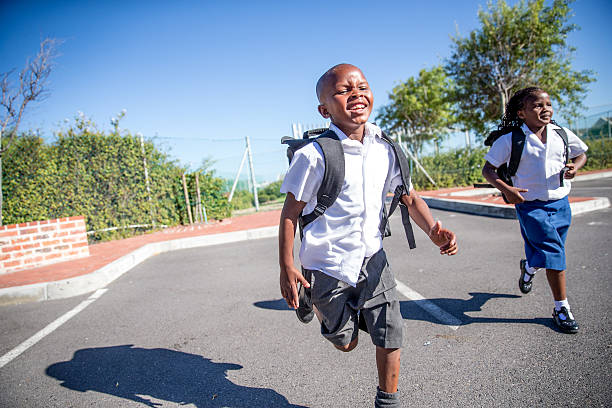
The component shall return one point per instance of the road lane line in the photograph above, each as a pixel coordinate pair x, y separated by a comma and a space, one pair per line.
442, 316
14, 353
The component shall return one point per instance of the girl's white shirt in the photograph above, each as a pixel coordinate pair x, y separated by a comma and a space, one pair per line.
540, 164
337, 242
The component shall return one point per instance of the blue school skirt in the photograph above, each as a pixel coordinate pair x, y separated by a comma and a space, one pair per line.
544, 226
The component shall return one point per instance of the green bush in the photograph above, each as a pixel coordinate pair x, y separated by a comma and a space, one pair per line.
460, 167
100, 175
244, 199
271, 192
599, 155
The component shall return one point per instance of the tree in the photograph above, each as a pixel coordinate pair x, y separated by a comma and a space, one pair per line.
14, 100
419, 108
515, 47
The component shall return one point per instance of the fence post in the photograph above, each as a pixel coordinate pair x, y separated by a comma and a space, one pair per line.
146, 173
252, 174
187, 203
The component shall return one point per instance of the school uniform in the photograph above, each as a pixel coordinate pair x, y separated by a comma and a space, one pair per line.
545, 216
343, 247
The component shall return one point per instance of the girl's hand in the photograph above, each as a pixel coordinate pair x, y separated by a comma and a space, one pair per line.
444, 239
513, 195
571, 171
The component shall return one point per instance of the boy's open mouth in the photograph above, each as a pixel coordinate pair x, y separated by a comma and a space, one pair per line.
357, 106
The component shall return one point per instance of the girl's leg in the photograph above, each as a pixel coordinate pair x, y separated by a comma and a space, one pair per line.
556, 280
388, 364
562, 316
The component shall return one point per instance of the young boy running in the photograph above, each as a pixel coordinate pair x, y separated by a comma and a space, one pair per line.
341, 250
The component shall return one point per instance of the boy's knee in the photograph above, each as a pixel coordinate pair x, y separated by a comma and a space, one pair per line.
348, 347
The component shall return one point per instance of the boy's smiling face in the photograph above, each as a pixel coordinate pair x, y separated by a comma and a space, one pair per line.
345, 98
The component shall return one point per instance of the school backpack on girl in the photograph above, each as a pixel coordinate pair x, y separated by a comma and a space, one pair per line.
333, 178
507, 171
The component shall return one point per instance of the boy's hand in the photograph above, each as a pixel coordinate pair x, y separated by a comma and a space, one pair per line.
289, 278
444, 239
513, 195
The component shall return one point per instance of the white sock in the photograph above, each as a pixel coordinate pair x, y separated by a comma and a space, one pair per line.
531, 271
563, 303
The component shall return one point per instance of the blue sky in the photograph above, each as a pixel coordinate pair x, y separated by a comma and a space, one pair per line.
199, 76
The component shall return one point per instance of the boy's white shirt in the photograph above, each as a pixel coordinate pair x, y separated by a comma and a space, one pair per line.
337, 242
540, 164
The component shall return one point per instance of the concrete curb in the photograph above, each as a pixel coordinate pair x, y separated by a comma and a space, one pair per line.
506, 211
593, 176
102, 277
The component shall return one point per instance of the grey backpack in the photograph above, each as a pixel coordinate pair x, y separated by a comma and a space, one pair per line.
333, 178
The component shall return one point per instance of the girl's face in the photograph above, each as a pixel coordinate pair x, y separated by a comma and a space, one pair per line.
537, 110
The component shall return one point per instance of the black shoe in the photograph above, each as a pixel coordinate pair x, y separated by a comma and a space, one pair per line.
525, 287
304, 310
566, 325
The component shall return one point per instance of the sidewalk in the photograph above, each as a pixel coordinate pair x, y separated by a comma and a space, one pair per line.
109, 260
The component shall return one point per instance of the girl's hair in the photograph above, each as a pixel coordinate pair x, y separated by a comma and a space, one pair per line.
510, 120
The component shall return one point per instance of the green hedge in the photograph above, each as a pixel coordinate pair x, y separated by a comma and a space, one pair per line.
599, 155
100, 175
460, 167
243, 199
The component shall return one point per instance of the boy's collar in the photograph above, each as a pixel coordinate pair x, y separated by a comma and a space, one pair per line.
371, 130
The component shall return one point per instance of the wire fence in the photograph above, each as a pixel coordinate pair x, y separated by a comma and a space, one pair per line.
270, 161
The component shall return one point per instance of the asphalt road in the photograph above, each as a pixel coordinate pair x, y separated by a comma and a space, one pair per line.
207, 328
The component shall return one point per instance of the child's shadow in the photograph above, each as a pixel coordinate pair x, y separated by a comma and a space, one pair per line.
276, 304
416, 310
134, 373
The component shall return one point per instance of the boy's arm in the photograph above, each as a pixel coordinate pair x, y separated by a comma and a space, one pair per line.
575, 165
420, 213
513, 194
289, 274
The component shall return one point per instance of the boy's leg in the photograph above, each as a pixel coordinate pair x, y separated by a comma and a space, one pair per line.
383, 318
350, 346
335, 304
388, 365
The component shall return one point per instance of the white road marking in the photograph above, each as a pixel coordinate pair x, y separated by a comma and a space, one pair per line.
14, 353
442, 316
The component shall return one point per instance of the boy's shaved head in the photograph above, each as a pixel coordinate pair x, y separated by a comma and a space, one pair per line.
329, 75
345, 98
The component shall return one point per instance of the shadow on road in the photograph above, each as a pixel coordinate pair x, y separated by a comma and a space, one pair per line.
277, 304
135, 373
412, 310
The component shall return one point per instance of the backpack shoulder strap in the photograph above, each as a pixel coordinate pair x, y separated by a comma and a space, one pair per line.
563, 134
333, 175
293, 145
518, 143
399, 191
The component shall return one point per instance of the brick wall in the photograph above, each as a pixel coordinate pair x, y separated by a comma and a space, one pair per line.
38, 243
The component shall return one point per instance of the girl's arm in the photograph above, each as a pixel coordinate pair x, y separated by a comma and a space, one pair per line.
289, 275
420, 213
576, 164
513, 194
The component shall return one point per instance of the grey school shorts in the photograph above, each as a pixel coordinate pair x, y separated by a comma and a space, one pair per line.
338, 305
